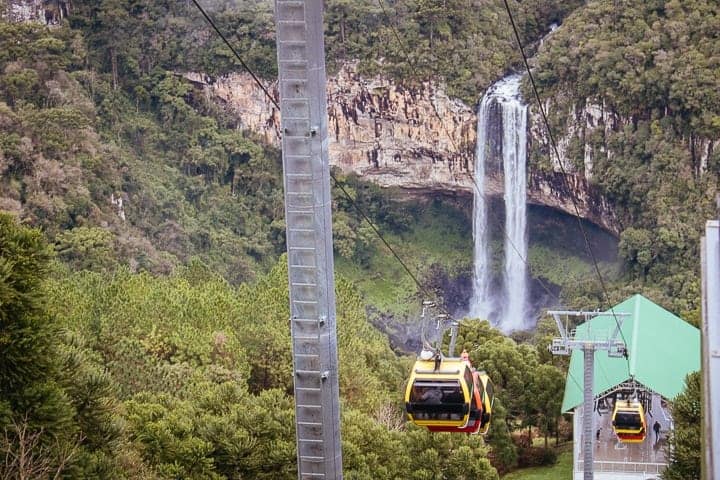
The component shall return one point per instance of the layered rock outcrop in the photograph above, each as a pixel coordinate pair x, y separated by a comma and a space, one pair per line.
48, 12
415, 138
591, 118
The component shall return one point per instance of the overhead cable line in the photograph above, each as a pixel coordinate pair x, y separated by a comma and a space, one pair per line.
420, 287
564, 177
477, 189
237, 55
338, 184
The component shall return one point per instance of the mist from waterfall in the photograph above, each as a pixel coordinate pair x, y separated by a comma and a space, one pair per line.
506, 307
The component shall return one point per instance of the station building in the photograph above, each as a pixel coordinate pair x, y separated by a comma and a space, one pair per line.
662, 349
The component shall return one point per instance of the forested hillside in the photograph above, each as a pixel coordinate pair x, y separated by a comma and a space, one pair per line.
143, 292
97, 387
135, 346
651, 68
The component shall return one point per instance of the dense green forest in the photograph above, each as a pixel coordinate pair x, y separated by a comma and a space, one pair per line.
96, 387
135, 199
652, 67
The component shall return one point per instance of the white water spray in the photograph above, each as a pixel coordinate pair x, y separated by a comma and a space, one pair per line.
511, 313
481, 303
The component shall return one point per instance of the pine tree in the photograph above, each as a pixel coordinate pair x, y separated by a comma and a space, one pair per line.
685, 444
35, 413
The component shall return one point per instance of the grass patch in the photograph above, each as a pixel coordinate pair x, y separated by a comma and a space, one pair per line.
562, 470
441, 234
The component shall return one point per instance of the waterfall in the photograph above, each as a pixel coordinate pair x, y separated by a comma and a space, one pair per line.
514, 160
502, 135
481, 304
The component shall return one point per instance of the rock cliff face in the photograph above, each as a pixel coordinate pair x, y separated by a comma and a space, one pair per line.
415, 138
48, 12
592, 118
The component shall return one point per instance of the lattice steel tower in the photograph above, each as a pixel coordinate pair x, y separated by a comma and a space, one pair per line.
303, 109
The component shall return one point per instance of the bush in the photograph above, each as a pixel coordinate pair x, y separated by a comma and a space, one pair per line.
536, 457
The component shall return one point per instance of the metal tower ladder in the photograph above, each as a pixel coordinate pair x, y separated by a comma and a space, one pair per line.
303, 109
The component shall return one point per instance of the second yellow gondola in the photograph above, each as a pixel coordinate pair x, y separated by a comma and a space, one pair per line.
487, 394
628, 421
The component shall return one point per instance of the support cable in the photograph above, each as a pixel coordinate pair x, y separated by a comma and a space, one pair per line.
562, 169
338, 184
237, 55
455, 146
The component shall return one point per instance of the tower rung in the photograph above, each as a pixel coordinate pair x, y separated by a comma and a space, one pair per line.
298, 284
306, 302
310, 458
303, 266
292, 22
310, 440
309, 389
307, 249
310, 424
307, 372
292, 42
305, 320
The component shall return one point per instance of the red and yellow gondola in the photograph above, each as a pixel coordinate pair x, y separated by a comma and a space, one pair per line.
449, 395
628, 421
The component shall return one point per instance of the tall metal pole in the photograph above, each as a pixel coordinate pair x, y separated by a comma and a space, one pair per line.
588, 402
564, 346
306, 171
711, 350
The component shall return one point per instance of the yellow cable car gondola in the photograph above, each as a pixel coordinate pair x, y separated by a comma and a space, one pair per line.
438, 392
487, 396
449, 395
628, 421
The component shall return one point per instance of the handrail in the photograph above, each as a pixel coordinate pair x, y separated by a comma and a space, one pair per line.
624, 467
441, 372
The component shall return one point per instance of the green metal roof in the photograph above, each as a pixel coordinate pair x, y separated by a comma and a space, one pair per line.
662, 350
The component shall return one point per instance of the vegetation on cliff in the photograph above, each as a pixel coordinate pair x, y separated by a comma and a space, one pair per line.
648, 67
465, 45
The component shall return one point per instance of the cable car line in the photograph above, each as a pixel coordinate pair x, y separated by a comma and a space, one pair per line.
479, 405
564, 178
377, 232
344, 191
242, 62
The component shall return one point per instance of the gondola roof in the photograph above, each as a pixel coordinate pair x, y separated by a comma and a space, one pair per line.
662, 350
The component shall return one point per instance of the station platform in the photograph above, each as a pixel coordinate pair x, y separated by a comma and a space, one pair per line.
614, 460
